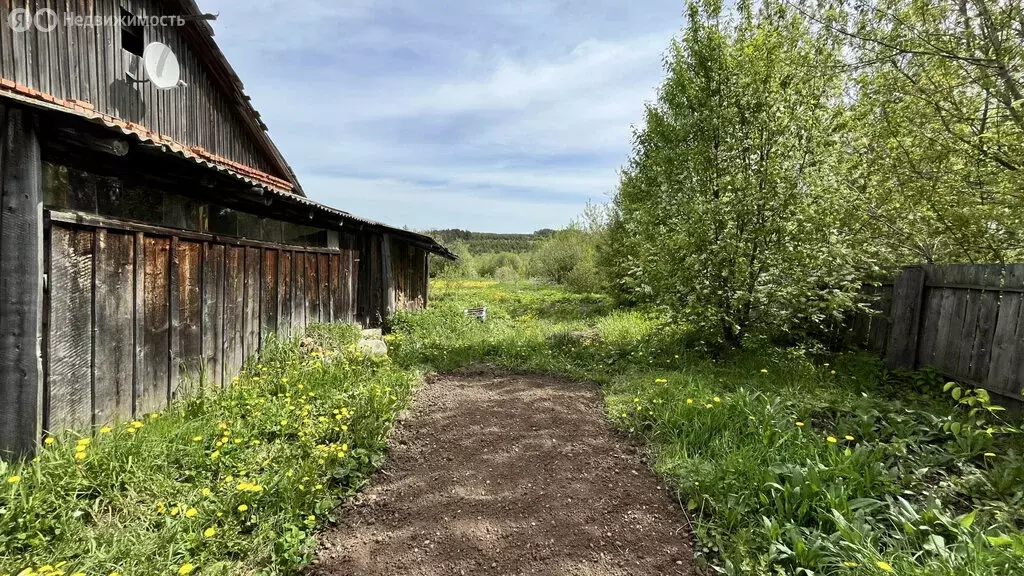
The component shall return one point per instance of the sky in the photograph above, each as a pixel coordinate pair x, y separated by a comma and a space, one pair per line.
486, 115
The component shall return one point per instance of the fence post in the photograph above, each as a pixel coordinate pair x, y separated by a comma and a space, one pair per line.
907, 301
21, 283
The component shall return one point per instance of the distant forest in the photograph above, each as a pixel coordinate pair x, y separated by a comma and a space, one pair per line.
486, 242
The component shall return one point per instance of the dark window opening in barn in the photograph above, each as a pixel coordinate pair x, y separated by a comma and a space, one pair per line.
132, 37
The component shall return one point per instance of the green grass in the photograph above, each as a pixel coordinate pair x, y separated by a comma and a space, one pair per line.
233, 482
789, 463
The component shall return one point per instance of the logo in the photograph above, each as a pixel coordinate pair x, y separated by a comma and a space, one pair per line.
22, 20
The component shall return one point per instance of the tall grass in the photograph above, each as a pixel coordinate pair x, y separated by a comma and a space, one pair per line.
789, 463
232, 482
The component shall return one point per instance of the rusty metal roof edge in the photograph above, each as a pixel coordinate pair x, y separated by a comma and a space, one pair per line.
422, 240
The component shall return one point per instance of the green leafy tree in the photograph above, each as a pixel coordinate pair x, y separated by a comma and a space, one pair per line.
730, 213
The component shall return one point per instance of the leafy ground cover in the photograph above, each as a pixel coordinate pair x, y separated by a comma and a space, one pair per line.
788, 462
232, 482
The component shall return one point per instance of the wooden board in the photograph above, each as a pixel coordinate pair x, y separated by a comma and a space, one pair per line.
324, 296
298, 293
154, 381
114, 290
312, 290
21, 294
190, 318
70, 346
337, 296
269, 287
213, 314
234, 311
251, 310
285, 270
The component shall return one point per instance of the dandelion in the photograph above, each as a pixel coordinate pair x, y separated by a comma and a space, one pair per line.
660, 381
849, 564
243, 508
191, 513
764, 370
799, 424
49, 441
175, 510
14, 479
105, 430
83, 443
832, 440
689, 400
209, 532
885, 566
717, 399
215, 454
990, 454
186, 569
849, 438
207, 491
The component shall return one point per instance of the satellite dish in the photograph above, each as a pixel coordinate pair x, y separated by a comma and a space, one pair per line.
161, 66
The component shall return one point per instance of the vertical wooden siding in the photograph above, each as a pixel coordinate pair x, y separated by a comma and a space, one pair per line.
88, 63
409, 274
140, 318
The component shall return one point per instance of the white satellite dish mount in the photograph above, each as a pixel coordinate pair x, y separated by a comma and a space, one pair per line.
161, 67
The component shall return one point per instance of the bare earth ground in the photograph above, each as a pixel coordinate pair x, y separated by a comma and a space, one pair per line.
500, 474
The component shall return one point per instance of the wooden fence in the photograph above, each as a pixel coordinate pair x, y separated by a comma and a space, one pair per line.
964, 320
135, 313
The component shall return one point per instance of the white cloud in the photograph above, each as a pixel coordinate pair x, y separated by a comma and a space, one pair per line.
494, 116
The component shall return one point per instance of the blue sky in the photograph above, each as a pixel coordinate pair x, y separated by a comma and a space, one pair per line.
487, 115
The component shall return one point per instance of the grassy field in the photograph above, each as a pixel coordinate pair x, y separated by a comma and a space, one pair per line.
228, 483
789, 463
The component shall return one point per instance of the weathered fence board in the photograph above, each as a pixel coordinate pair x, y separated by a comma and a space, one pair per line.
970, 324
115, 329
70, 375
168, 313
213, 313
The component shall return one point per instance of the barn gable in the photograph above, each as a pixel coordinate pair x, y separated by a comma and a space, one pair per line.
92, 71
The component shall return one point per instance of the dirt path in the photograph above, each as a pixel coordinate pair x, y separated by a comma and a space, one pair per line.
495, 474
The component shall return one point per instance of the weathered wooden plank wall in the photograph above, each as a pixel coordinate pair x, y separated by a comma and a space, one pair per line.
90, 63
194, 309
409, 276
21, 288
964, 320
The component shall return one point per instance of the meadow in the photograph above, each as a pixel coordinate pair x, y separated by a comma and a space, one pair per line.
788, 462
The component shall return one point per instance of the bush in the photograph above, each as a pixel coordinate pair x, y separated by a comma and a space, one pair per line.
488, 264
233, 482
568, 258
506, 274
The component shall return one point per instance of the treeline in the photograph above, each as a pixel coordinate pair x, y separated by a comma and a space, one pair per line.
486, 242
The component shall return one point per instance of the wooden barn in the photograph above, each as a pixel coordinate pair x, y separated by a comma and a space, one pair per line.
151, 237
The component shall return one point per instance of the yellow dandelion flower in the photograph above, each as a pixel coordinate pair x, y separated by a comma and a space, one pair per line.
175, 510
660, 380
243, 508
210, 532
197, 438
717, 399
764, 370
84, 442
799, 424
832, 440
849, 564
215, 454
49, 440
207, 491
849, 438
105, 430
689, 400
186, 569
885, 566
13, 479
990, 454
191, 513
